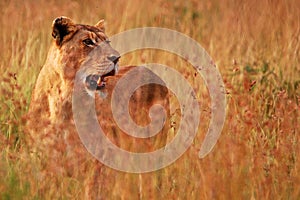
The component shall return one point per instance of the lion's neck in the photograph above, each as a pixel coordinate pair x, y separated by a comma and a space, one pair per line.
52, 96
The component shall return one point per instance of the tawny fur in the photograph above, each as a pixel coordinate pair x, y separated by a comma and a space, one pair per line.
51, 125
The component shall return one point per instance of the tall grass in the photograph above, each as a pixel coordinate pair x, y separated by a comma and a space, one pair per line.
256, 47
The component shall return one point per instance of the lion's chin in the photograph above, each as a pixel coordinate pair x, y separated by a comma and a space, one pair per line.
97, 82
102, 92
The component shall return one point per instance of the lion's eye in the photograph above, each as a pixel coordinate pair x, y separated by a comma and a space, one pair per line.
88, 42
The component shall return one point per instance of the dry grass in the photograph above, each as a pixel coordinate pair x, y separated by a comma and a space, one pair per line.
256, 47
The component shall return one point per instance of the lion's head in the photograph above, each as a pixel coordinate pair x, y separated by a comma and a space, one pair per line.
75, 47
85, 46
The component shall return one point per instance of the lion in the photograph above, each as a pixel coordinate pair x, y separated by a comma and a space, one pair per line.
71, 47
51, 124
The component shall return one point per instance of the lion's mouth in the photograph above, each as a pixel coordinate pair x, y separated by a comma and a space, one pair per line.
97, 82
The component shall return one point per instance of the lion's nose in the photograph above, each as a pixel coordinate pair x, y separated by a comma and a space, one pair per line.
113, 58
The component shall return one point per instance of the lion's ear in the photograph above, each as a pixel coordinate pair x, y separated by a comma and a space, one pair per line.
62, 29
100, 25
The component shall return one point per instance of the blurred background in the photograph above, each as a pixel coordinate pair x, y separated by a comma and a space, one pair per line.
255, 45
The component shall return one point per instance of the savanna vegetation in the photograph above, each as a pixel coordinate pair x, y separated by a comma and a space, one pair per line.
255, 45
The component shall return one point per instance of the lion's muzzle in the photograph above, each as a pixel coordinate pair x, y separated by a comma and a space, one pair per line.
98, 82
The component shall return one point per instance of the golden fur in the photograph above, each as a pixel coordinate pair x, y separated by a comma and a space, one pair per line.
54, 85
50, 123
